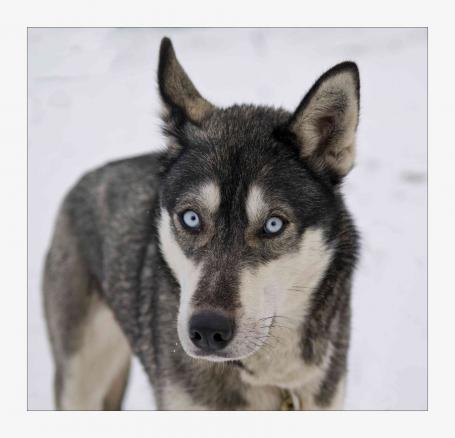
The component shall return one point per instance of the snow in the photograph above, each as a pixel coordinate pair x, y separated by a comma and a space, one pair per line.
93, 98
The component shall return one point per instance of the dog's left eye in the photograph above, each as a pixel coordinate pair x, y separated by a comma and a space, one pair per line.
273, 225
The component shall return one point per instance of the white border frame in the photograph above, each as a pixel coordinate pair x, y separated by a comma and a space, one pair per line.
19, 15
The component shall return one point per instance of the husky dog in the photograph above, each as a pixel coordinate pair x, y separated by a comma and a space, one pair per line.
224, 263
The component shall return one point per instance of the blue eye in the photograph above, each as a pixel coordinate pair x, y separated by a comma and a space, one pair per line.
273, 225
191, 220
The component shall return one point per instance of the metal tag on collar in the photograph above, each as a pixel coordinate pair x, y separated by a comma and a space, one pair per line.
290, 401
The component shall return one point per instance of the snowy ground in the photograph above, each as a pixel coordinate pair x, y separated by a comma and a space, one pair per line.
93, 98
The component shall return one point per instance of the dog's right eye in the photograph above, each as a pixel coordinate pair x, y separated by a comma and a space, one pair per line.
274, 226
190, 220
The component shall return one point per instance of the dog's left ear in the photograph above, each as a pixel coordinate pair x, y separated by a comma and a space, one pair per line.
325, 123
180, 97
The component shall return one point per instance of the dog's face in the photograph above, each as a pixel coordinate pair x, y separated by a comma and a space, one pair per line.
249, 205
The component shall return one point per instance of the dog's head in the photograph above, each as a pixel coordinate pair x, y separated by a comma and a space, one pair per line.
249, 205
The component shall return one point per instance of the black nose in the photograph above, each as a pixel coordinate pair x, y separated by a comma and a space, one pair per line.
211, 331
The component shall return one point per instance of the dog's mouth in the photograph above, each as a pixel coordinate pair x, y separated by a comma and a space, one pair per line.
211, 337
229, 357
213, 356
246, 343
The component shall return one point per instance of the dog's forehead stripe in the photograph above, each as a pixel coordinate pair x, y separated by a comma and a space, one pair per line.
255, 203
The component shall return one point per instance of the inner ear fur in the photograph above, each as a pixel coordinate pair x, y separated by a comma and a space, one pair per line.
325, 123
178, 93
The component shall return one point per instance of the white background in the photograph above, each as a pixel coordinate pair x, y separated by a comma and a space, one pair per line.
93, 98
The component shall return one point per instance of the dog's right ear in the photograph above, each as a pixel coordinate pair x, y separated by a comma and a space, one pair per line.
324, 124
182, 101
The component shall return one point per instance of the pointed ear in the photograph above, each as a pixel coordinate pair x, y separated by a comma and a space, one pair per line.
325, 122
180, 96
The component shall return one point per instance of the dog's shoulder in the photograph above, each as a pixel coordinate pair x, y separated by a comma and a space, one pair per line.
108, 202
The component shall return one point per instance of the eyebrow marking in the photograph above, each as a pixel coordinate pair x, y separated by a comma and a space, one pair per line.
255, 203
209, 196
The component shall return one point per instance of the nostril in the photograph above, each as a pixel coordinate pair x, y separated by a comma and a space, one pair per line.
196, 336
218, 337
